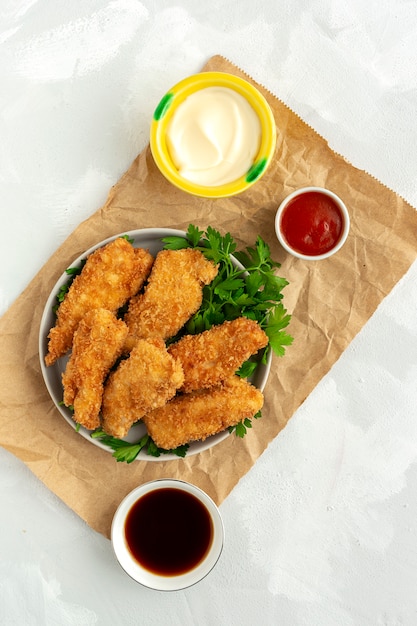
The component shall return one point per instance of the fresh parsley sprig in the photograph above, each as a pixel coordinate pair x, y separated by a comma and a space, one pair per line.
241, 428
254, 291
124, 451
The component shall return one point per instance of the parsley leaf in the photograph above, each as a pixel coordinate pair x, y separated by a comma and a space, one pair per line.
175, 243
247, 369
278, 320
241, 428
128, 238
124, 451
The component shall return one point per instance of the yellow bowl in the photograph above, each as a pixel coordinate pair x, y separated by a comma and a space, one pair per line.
169, 104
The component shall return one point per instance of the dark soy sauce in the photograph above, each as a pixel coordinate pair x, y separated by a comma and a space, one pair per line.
168, 531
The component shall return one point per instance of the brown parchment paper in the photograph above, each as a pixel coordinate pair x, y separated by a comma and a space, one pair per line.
329, 301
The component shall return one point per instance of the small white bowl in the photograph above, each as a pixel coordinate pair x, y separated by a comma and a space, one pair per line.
315, 192
165, 525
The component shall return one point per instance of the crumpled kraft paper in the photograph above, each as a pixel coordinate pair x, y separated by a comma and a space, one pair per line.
329, 301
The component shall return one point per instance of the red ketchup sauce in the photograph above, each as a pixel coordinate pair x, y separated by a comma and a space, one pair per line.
312, 223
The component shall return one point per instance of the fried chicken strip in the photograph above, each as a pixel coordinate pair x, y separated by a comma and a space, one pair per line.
110, 276
147, 379
98, 342
197, 415
216, 354
173, 294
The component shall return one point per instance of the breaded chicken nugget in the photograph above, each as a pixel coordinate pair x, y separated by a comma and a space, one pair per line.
98, 342
110, 276
147, 379
173, 294
197, 415
216, 354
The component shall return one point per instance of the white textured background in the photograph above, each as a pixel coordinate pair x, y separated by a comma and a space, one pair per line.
323, 530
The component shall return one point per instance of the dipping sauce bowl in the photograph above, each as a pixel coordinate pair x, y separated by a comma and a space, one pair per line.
167, 534
312, 223
213, 135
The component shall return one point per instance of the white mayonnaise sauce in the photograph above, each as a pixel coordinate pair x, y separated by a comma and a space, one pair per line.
214, 136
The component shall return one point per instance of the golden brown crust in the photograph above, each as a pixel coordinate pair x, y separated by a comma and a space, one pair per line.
200, 414
98, 342
110, 276
147, 379
216, 354
173, 294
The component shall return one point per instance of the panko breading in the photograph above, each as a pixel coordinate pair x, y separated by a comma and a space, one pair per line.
147, 379
111, 275
216, 354
98, 342
197, 415
173, 294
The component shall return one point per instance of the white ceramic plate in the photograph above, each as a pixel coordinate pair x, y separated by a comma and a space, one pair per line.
151, 239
